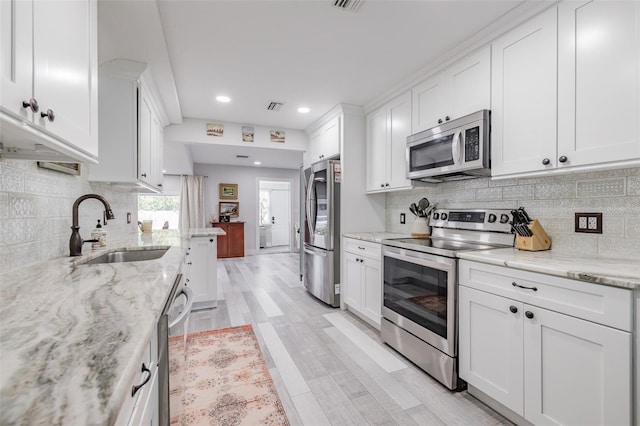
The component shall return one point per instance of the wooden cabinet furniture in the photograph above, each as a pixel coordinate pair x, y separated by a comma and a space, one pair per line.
461, 89
131, 124
362, 283
49, 79
232, 244
201, 273
324, 143
551, 350
387, 131
558, 103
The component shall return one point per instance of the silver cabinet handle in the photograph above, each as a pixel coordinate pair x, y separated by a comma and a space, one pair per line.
515, 284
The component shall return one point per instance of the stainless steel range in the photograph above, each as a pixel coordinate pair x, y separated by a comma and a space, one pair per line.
421, 286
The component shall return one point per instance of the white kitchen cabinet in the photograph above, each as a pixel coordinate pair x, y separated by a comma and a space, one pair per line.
387, 131
363, 279
461, 89
131, 122
324, 143
552, 350
202, 271
598, 82
523, 97
566, 91
49, 56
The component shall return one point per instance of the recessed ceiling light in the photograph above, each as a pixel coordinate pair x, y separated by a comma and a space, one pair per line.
257, 163
223, 98
164, 171
303, 110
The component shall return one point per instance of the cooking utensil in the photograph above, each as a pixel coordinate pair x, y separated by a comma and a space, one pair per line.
423, 204
413, 209
524, 214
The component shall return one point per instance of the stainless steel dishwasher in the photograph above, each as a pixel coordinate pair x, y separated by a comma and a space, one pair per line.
172, 335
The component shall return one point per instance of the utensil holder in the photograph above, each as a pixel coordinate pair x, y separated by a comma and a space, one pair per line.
420, 228
539, 241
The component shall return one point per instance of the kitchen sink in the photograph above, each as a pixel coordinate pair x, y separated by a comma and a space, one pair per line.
129, 255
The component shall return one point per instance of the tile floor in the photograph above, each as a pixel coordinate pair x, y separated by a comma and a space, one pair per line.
330, 368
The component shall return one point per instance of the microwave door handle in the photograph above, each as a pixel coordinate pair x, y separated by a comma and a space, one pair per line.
455, 146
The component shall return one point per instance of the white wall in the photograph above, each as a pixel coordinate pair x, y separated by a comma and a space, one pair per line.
194, 131
248, 193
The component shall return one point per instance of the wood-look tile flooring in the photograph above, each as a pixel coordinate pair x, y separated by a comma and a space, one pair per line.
329, 367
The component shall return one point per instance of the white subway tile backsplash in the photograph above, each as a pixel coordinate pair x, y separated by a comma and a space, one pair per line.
555, 190
554, 201
36, 206
601, 188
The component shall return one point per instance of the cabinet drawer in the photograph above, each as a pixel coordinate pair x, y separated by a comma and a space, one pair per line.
130, 401
363, 248
598, 303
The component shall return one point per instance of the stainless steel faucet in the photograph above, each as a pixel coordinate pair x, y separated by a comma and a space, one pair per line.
75, 242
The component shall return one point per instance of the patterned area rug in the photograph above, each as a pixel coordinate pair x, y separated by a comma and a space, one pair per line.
225, 381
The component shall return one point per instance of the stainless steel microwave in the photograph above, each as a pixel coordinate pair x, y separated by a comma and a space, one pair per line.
457, 149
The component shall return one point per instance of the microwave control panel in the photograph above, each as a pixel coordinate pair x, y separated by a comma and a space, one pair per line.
472, 144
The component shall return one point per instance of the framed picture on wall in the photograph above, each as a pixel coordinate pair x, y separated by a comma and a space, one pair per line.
228, 208
228, 191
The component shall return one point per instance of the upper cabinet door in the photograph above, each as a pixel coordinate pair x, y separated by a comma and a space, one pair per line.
470, 81
429, 103
399, 122
331, 138
598, 87
145, 139
376, 149
65, 70
523, 97
16, 57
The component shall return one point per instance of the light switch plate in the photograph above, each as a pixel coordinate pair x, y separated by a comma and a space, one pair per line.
402, 218
590, 223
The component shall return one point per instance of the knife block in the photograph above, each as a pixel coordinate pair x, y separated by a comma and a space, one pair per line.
539, 241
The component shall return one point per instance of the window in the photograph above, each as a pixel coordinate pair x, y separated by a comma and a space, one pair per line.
163, 210
264, 207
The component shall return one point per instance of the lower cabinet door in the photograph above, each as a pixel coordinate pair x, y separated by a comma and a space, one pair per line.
490, 346
203, 279
576, 372
372, 289
352, 279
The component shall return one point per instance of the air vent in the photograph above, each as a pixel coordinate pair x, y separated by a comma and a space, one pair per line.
351, 5
275, 106
242, 156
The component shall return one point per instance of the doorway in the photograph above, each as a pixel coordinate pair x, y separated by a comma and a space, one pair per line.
274, 216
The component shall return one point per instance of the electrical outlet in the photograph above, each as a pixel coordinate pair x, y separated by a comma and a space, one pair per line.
402, 218
590, 223
128, 217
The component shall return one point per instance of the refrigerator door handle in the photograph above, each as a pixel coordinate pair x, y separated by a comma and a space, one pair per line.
310, 224
315, 252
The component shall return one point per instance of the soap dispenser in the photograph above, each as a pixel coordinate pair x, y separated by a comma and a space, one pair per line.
100, 235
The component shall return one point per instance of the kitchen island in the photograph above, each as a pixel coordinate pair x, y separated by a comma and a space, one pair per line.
72, 333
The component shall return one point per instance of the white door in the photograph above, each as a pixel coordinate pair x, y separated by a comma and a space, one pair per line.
598, 81
576, 372
523, 97
145, 131
399, 116
279, 210
490, 346
470, 84
430, 103
352, 281
376, 149
372, 289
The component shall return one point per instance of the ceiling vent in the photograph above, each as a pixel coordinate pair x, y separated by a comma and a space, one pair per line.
351, 5
242, 156
275, 106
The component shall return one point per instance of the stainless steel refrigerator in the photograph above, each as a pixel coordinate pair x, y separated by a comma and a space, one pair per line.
322, 231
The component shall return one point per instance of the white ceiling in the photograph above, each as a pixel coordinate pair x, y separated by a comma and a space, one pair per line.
300, 52
227, 155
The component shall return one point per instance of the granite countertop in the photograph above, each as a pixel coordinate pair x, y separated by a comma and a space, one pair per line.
612, 272
206, 232
374, 237
72, 334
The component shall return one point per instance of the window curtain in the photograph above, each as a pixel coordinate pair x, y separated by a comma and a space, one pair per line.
191, 202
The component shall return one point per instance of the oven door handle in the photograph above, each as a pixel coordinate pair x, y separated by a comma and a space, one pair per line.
455, 147
439, 263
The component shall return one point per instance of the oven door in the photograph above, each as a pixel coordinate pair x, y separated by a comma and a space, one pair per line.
419, 292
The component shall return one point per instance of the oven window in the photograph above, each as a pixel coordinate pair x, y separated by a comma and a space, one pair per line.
432, 154
418, 293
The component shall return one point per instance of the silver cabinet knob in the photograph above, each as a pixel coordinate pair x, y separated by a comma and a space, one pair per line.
32, 104
50, 115
563, 159
546, 162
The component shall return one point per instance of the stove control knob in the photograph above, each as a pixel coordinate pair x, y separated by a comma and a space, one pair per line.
436, 216
443, 216
504, 218
492, 218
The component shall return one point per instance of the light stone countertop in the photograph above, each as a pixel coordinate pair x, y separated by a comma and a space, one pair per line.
206, 232
374, 237
612, 272
72, 335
